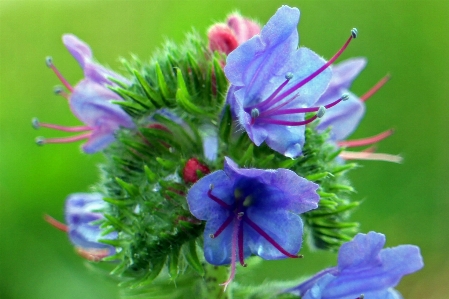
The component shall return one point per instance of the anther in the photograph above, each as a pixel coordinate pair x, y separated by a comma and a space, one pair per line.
354, 32
49, 61
240, 215
321, 112
40, 141
35, 123
345, 97
212, 236
211, 187
289, 75
255, 113
58, 90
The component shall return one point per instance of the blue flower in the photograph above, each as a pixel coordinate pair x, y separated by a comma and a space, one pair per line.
82, 210
251, 212
90, 101
273, 84
364, 268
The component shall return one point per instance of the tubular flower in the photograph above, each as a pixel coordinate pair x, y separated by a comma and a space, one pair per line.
90, 101
273, 84
364, 270
81, 212
251, 211
226, 37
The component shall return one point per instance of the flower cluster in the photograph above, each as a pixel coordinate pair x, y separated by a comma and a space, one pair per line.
221, 150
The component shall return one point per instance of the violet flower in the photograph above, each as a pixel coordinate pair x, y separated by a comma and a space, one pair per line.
90, 101
273, 84
364, 270
251, 212
81, 212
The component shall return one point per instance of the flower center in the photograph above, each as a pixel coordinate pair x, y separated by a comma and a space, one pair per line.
265, 110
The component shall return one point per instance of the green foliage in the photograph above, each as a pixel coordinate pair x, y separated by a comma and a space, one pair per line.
175, 98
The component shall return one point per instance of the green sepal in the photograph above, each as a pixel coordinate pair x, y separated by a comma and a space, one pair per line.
191, 257
151, 176
220, 81
184, 100
138, 99
173, 264
225, 124
130, 188
150, 92
163, 87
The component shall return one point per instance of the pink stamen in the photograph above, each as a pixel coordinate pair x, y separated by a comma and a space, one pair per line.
370, 156
366, 141
321, 69
269, 239
217, 200
375, 88
64, 128
268, 101
287, 123
41, 141
233, 254
92, 254
50, 64
223, 226
55, 223
59, 91
240, 241
298, 110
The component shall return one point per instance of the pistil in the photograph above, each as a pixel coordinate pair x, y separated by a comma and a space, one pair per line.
375, 88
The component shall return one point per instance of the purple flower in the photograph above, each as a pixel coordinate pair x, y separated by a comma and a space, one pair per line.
81, 212
251, 212
273, 84
90, 100
344, 118
364, 268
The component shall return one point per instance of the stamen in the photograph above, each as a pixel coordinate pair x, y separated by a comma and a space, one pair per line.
49, 62
269, 239
321, 112
322, 68
217, 200
366, 141
240, 241
233, 254
375, 88
55, 223
288, 123
36, 124
276, 111
61, 92
272, 97
361, 297
42, 140
370, 156
92, 254
222, 227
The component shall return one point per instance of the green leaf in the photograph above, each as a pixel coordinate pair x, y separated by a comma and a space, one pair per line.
184, 99
130, 188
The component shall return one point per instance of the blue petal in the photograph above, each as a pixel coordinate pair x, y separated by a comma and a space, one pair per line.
91, 103
343, 118
218, 251
204, 208
80, 211
283, 227
98, 141
280, 32
345, 72
79, 49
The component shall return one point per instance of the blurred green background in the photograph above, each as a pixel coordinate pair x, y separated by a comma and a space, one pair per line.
408, 202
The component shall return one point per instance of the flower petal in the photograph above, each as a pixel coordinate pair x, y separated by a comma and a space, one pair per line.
79, 49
